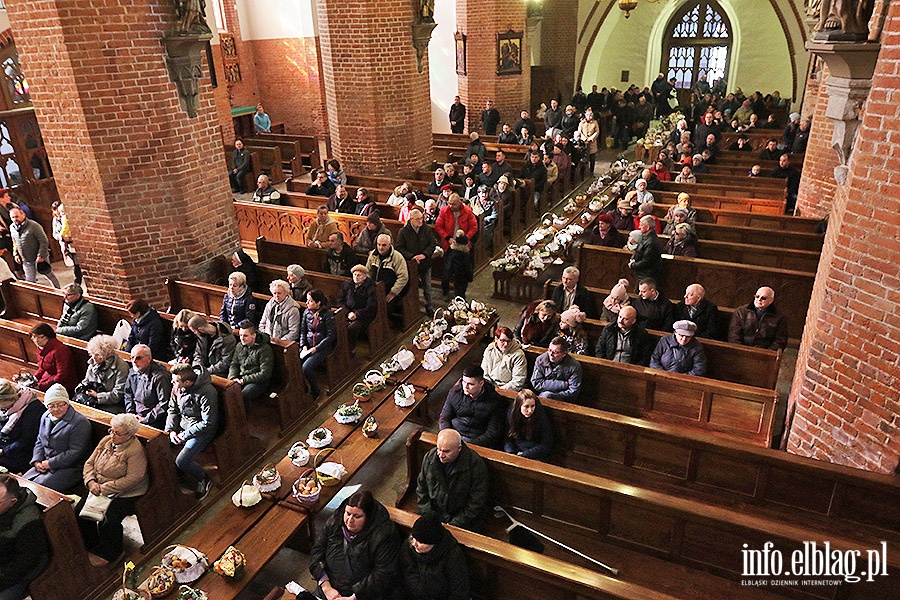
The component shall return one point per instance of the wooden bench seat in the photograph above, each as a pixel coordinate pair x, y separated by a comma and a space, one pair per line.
308, 156
728, 410
727, 284
748, 204
742, 218
796, 240
729, 189
69, 573
270, 162
291, 153
642, 532
775, 257
769, 483
282, 254
206, 299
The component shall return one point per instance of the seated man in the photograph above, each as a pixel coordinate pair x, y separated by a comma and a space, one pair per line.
387, 265
25, 551
475, 410
253, 363
192, 419
320, 229
215, 346
571, 292
680, 352
654, 309
700, 311
281, 316
340, 256
240, 166
321, 185
625, 341
357, 298
759, 323
771, 151
453, 483
440, 180
147, 388
79, 317
557, 374
340, 201
265, 192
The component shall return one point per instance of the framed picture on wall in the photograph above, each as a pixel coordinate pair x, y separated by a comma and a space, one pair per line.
460, 53
509, 53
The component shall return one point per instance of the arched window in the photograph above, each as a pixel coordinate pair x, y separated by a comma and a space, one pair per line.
697, 42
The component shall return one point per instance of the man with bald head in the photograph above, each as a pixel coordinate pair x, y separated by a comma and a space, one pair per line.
453, 483
625, 341
703, 313
386, 264
759, 323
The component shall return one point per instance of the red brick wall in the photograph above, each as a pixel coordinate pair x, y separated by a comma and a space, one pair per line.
559, 30
246, 91
222, 99
144, 185
379, 105
481, 21
817, 185
291, 87
845, 385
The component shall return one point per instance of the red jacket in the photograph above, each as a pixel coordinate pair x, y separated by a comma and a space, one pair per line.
56, 365
468, 222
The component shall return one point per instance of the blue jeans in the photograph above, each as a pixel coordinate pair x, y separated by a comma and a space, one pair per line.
185, 459
312, 364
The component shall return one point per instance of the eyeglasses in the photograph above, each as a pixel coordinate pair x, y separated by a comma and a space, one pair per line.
117, 433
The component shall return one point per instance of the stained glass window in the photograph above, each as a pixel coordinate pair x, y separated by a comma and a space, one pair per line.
697, 43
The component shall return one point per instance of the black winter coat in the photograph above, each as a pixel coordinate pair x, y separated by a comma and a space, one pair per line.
359, 299
18, 444
367, 564
441, 574
642, 344
707, 319
411, 243
150, 331
480, 421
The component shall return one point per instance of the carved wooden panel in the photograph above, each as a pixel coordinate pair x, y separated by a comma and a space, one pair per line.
231, 61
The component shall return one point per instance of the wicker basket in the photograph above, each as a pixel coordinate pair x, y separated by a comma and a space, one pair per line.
271, 486
299, 454
326, 478
303, 497
163, 579
186, 574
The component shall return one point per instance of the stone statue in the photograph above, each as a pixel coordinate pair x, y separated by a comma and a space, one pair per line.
813, 8
192, 16
844, 20
426, 11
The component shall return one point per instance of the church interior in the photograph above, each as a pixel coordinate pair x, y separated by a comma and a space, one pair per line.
659, 485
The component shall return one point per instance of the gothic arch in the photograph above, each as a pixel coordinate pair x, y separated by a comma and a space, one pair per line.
697, 41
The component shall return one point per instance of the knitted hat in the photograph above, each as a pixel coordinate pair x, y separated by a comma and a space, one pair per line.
572, 316
794, 116
680, 210
428, 529
684, 196
646, 208
605, 218
8, 391
619, 291
56, 393
685, 328
297, 271
447, 187
374, 219
503, 179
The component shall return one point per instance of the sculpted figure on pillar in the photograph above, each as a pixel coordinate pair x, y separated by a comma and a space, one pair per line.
426, 11
192, 16
847, 17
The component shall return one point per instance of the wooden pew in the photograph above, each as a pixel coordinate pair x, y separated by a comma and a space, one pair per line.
762, 481
734, 203
734, 190
649, 536
501, 571
742, 218
797, 240
378, 333
252, 175
756, 183
727, 284
291, 153
775, 257
309, 147
270, 162
315, 259
298, 200
233, 446
728, 410
205, 298
69, 573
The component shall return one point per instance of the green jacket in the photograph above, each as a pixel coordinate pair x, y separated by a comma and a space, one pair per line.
254, 363
23, 541
460, 498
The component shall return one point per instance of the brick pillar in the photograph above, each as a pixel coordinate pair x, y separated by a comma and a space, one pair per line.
481, 21
144, 185
379, 105
558, 30
817, 185
845, 385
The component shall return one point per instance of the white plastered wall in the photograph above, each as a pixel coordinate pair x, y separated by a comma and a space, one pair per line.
442, 65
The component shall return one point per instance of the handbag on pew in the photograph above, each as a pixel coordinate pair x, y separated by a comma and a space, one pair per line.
95, 508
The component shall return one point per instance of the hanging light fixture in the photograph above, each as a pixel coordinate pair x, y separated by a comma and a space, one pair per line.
628, 6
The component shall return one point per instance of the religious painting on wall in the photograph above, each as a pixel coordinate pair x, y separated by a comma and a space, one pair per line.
509, 53
231, 62
460, 53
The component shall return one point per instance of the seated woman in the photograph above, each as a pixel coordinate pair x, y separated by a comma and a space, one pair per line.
538, 323
365, 241
117, 468
683, 241
432, 564
617, 299
281, 316
398, 198
357, 552
184, 342
146, 328
645, 209
357, 298
242, 263
238, 305
683, 201
318, 337
530, 432
63, 443
103, 385
605, 233
56, 364
679, 215
571, 328
20, 416
659, 169
504, 362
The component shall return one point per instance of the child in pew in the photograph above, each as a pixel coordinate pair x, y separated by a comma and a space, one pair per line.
458, 266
